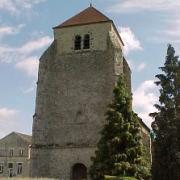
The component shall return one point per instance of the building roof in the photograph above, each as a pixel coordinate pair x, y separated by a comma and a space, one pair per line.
144, 125
25, 137
87, 16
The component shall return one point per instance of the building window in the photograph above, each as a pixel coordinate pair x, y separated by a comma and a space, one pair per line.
21, 152
86, 41
10, 169
11, 153
19, 168
1, 168
10, 165
2, 152
77, 42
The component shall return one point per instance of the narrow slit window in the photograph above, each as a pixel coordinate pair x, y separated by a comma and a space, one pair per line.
77, 43
86, 41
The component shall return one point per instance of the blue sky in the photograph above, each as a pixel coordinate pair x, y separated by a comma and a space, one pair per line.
146, 27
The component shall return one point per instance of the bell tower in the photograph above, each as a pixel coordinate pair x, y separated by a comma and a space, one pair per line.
77, 74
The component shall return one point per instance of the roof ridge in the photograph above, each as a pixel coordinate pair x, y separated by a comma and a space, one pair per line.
100, 13
21, 133
89, 15
25, 137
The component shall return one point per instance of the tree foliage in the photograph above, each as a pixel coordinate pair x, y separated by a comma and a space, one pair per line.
120, 149
166, 160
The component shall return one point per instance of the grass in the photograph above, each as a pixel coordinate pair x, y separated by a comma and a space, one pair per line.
119, 178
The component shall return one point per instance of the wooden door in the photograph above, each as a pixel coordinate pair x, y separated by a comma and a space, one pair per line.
79, 172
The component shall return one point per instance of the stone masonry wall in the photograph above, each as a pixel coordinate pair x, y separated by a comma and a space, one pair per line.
127, 74
13, 142
74, 89
98, 34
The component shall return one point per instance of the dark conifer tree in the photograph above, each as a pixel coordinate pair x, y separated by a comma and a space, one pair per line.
120, 149
166, 159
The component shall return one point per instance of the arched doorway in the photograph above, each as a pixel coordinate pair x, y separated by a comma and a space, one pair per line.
79, 172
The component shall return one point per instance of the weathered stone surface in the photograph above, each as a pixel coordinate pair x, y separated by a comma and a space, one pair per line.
74, 89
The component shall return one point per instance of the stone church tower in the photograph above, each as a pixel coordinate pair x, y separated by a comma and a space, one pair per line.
77, 74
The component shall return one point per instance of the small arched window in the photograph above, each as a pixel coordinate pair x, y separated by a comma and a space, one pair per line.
77, 42
86, 42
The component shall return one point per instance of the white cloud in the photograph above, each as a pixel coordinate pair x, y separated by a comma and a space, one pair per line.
22, 56
29, 90
141, 66
144, 98
13, 120
8, 54
135, 66
29, 66
170, 31
8, 118
170, 34
35, 45
130, 6
6, 113
18, 6
7, 5
10, 30
173, 31
129, 39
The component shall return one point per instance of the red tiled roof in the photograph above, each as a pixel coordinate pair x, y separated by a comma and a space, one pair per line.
87, 16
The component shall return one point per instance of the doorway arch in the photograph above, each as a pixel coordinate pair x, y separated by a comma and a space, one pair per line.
79, 172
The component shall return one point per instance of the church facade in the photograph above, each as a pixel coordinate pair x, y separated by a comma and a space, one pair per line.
77, 75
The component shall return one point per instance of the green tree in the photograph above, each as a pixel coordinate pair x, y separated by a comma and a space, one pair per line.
166, 159
120, 149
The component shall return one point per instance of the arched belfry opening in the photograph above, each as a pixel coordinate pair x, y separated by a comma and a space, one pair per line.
86, 43
77, 42
79, 172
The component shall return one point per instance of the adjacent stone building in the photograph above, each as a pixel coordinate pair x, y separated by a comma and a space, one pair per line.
145, 134
77, 75
14, 155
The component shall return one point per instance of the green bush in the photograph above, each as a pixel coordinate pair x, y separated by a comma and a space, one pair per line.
119, 178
